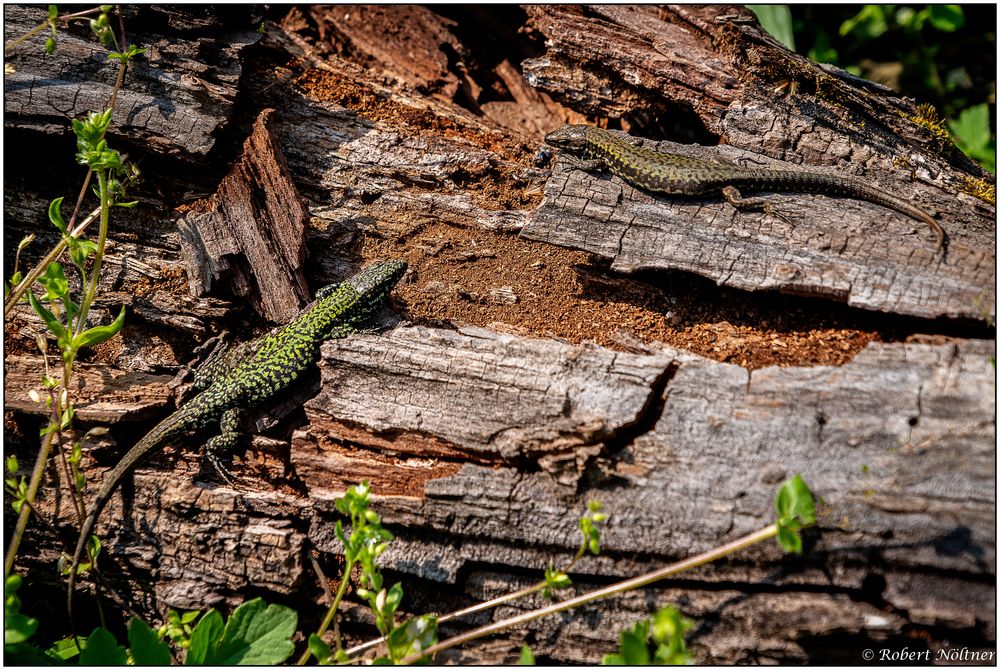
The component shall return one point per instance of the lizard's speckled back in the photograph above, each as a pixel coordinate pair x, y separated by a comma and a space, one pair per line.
287, 352
276, 361
661, 172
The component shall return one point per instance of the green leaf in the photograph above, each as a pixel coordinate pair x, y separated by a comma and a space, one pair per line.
319, 649
146, 647
392, 600
972, 128
257, 634
55, 215
668, 625
18, 627
633, 649
789, 540
66, 417
947, 18
131, 52
527, 656
54, 281
777, 20
64, 649
412, 637
204, 640
53, 12
97, 334
795, 502
50, 320
867, 24
26, 654
974, 135
557, 579
103, 649
80, 250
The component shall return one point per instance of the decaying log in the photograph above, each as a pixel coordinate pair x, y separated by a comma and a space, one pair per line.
176, 97
483, 437
250, 231
836, 248
884, 440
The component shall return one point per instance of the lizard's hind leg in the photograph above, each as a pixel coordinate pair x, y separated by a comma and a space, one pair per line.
734, 198
224, 443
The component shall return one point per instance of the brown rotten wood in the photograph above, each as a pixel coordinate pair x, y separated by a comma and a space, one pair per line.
249, 233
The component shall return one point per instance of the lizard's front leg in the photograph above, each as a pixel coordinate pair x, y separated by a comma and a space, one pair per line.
590, 165
224, 443
223, 359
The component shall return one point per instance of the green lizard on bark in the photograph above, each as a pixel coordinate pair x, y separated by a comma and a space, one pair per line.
249, 375
660, 172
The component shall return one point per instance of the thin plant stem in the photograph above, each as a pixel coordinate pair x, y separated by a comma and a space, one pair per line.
79, 198
18, 290
95, 271
36, 272
45, 24
330, 615
478, 607
75, 496
22, 519
613, 589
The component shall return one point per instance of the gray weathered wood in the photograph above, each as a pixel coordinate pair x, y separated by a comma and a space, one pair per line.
175, 98
453, 430
885, 440
712, 61
836, 248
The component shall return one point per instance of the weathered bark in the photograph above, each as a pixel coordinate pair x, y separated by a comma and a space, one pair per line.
251, 231
483, 446
176, 97
836, 248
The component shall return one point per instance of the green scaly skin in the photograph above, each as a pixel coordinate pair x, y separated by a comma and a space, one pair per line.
661, 172
269, 365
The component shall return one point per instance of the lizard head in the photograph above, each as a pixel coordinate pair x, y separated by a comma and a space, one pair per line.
375, 281
355, 300
569, 138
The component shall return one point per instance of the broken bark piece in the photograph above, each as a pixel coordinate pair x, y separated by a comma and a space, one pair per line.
540, 401
103, 395
839, 248
176, 96
619, 61
249, 233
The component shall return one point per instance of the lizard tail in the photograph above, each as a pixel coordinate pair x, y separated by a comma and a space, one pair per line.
819, 182
165, 429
